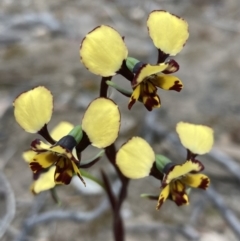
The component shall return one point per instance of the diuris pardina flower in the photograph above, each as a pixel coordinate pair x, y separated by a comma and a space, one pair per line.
103, 52
136, 159
44, 180
100, 123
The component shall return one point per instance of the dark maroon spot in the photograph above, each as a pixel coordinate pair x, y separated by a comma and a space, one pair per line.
160, 202
177, 86
200, 164
150, 103
179, 198
63, 177
173, 67
35, 143
131, 103
204, 183
35, 166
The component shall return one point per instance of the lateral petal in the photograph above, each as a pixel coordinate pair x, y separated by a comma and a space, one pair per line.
196, 180
101, 122
168, 82
103, 50
33, 109
135, 158
197, 138
163, 196
168, 32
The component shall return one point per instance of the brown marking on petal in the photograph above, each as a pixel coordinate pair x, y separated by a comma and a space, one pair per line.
36, 167
200, 164
131, 103
35, 144
177, 195
63, 167
178, 198
147, 87
173, 67
204, 183
63, 177
150, 103
177, 86
160, 203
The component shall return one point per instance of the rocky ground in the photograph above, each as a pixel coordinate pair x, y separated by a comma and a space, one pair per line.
39, 45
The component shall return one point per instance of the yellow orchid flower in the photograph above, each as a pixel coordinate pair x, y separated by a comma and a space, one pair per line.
136, 159
44, 179
103, 52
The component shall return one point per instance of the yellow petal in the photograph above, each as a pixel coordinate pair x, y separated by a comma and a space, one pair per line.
197, 180
178, 171
135, 158
168, 82
33, 109
28, 155
101, 122
61, 130
44, 182
197, 138
135, 96
168, 32
103, 51
146, 71
42, 161
163, 196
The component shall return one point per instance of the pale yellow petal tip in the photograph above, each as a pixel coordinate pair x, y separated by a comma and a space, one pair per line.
103, 50
33, 109
135, 158
198, 139
168, 31
101, 122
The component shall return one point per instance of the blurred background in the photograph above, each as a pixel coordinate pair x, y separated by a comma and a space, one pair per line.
39, 45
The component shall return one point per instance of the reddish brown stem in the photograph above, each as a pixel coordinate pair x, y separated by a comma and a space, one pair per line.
45, 134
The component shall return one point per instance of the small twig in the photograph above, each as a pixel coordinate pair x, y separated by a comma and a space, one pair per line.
226, 213
10, 205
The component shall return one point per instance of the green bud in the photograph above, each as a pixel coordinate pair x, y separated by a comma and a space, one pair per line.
131, 62
161, 162
76, 133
